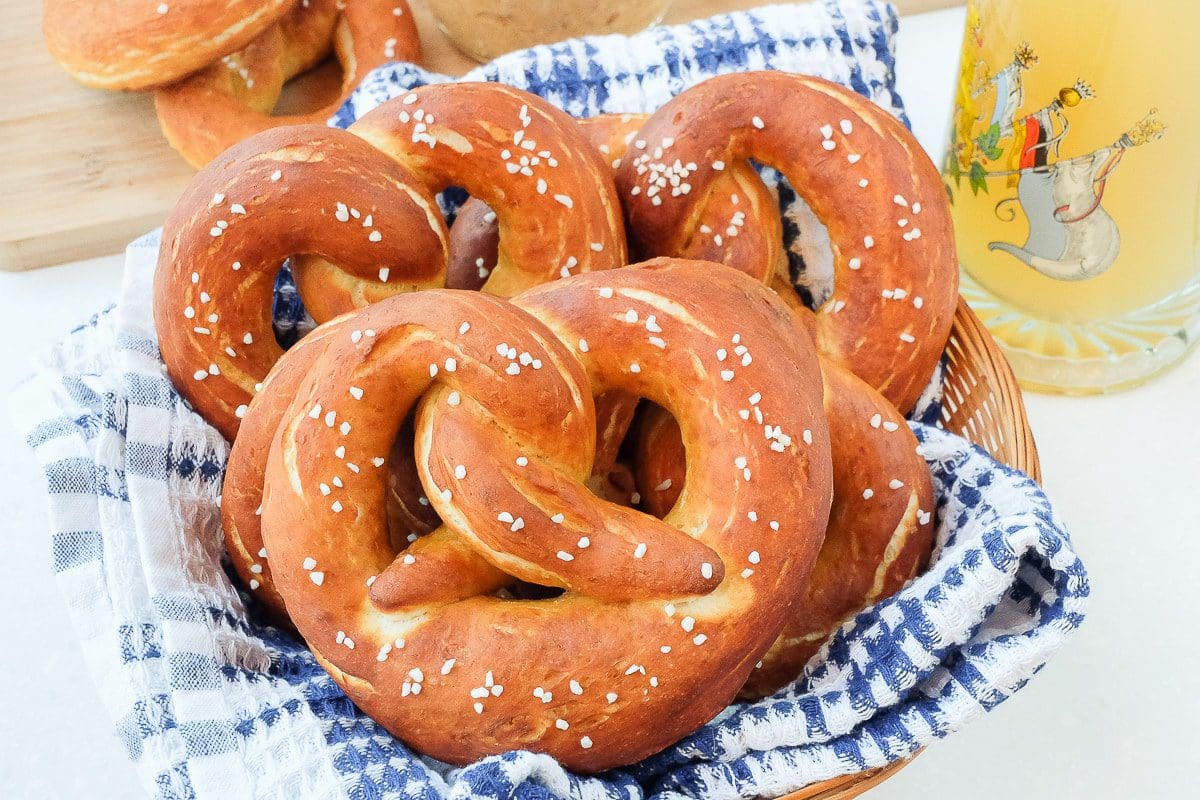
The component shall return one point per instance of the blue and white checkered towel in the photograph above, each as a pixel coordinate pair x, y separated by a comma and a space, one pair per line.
211, 702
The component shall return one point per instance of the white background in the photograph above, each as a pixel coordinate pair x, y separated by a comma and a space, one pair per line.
1111, 717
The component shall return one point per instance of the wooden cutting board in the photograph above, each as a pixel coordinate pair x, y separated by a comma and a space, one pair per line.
85, 171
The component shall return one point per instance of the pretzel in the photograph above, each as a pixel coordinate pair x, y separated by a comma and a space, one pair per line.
880, 531
862, 173
365, 224
660, 622
233, 98
133, 44
874, 544
409, 514
878, 537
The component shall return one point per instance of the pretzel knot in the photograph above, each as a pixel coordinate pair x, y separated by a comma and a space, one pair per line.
879, 533
659, 622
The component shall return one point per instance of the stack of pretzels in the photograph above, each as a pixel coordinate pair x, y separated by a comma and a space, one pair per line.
218, 67
516, 493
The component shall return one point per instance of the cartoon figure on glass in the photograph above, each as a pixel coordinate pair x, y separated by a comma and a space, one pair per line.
999, 148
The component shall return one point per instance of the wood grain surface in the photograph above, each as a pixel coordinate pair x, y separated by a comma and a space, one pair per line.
85, 171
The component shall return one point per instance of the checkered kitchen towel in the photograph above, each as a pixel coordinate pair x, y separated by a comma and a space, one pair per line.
211, 702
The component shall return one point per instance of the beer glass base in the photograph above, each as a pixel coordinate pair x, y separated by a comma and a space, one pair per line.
1094, 357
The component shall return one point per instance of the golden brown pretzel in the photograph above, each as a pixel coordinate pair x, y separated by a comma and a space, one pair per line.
880, 529
365, 224
410, 513
656, 630
133, 44
880, 526
875, 542
862, 173
232, 99
660, 460
241, 495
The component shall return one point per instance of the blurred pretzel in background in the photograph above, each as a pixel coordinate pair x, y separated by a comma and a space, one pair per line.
136, 44
233, 98
217, 67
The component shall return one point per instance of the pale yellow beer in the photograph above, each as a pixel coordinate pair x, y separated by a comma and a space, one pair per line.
1074, 169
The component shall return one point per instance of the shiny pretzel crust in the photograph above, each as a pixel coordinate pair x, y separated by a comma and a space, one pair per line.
361, 224
756, 249
285, 191
594, 682
554, 199
880, 526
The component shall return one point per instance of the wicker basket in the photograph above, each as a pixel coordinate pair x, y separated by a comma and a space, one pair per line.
982, 403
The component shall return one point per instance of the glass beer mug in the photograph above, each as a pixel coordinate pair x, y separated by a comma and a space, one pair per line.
1073, 166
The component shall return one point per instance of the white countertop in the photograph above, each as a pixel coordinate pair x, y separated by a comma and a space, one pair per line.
1107, 718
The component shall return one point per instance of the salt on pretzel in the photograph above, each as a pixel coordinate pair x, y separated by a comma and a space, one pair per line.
879, 535
474, 239
407, 517
880, 525
135, 44
723, 236
660, 622
286, 191
409, 511
362, 224
862, 173
241, 495
551, 195
876, 542
233, 98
